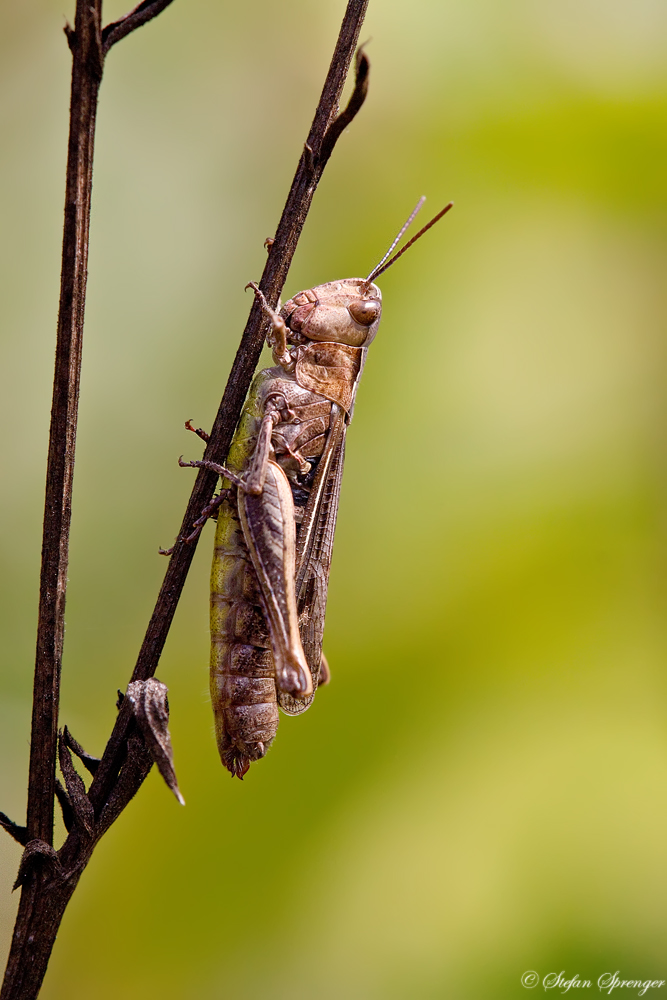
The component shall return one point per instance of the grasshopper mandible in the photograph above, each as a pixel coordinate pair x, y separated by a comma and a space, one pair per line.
277, 510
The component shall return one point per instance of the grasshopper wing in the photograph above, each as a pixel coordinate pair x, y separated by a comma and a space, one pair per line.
313, 560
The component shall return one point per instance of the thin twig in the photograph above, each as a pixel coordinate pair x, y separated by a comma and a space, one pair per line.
40, 908
358, 97
86, 76
142, 14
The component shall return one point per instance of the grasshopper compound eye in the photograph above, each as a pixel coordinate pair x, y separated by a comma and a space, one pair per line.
364, 311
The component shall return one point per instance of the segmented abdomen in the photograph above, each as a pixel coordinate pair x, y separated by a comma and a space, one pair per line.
243, 689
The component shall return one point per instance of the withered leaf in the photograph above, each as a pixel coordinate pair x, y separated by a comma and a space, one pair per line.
89, 762
37, 852
151, 710
65, 806
84, 817
19, 833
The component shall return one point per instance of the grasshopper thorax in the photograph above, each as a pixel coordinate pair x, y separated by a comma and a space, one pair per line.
340, 312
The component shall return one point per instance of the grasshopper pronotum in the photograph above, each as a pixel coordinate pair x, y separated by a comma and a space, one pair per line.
277, 510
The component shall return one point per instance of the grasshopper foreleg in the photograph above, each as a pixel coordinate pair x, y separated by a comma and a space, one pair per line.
253, 480
212, 467
277, 337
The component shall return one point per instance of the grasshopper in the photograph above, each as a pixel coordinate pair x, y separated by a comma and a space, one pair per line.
277, 508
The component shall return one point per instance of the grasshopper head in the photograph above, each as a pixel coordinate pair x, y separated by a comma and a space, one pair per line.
339, 312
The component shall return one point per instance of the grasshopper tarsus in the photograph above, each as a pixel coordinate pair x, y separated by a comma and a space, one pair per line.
202, 464
259, 294
275, 317
210, 510
198, 431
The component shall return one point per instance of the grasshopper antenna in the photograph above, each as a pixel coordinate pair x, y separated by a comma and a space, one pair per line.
406, 225
381, 267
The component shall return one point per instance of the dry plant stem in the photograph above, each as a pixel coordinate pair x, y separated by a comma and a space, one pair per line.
40, 909
86, 42
86, 76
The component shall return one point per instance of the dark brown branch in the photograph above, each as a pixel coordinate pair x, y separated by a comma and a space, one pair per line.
40, 909
33, 938
142, 14
86, 75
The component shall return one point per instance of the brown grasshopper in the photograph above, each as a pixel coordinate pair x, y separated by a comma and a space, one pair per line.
277, 510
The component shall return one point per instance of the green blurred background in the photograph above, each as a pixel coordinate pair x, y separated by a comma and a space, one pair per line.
482, 789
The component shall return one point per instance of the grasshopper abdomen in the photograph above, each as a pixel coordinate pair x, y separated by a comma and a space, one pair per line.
243, 689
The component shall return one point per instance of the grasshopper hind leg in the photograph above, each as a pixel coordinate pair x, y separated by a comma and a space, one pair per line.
270, 534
